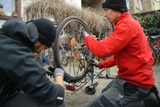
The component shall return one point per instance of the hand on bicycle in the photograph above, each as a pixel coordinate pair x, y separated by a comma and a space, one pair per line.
94, 62
84, 34
54, 71
49, 70
58, 72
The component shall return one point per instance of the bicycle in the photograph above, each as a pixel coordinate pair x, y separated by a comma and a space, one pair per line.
154, 42
155, 45
78, 70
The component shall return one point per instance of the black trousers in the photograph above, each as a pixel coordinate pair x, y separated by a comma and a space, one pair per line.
23, 100
120, 93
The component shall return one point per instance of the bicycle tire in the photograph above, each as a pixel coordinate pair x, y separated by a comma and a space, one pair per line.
155, 44
106, 30
154, 55
61, 29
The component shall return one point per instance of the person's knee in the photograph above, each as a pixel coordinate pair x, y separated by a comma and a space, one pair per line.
102, 102
151, 100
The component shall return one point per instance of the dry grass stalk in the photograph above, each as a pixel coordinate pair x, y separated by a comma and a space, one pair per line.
58, 10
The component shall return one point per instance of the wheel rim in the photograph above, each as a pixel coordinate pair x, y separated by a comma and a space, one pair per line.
71, 45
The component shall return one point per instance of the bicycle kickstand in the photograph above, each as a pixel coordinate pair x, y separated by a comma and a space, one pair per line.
91, 88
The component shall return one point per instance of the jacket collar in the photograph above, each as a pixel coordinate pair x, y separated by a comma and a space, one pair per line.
122, 16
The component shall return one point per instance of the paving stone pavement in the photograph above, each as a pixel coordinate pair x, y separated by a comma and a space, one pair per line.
81, 99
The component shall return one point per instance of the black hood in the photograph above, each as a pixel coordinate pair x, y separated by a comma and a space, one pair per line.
18, 30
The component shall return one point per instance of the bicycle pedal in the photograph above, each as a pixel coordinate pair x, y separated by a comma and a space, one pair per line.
90, 90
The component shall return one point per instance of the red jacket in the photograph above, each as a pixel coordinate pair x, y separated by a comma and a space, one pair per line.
130, 49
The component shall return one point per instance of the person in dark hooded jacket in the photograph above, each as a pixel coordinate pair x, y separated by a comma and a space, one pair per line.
23, 80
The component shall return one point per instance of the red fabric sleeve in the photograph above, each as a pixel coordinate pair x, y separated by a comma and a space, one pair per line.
111, 45
107, 63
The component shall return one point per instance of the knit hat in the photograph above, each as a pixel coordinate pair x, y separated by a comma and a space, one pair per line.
47, 31
119, 5
1, 6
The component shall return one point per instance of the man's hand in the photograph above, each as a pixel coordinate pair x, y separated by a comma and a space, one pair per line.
49, 69
54, 71
58, 77
85, 34
58, 72
94, 62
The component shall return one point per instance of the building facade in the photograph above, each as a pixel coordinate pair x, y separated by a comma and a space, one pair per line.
134, 6
137, 6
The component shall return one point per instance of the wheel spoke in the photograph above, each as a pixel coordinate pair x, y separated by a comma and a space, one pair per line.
71, 55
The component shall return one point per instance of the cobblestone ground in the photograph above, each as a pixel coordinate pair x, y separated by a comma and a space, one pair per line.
81, 99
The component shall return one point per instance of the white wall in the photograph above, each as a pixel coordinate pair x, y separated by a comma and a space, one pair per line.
127, 1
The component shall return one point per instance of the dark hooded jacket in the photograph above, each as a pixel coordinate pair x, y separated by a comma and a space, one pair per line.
19, 69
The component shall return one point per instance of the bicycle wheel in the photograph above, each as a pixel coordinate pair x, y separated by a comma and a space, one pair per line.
154, 42
154, 55
156, 46
70, 53
106, 30
104, 33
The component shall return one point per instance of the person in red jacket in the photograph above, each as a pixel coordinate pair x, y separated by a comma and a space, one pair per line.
131, 53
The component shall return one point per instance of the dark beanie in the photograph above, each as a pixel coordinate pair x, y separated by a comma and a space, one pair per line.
47, 31
119, 5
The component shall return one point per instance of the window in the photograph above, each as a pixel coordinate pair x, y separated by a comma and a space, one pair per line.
10, 8
127, 1
157, 0
139, 5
